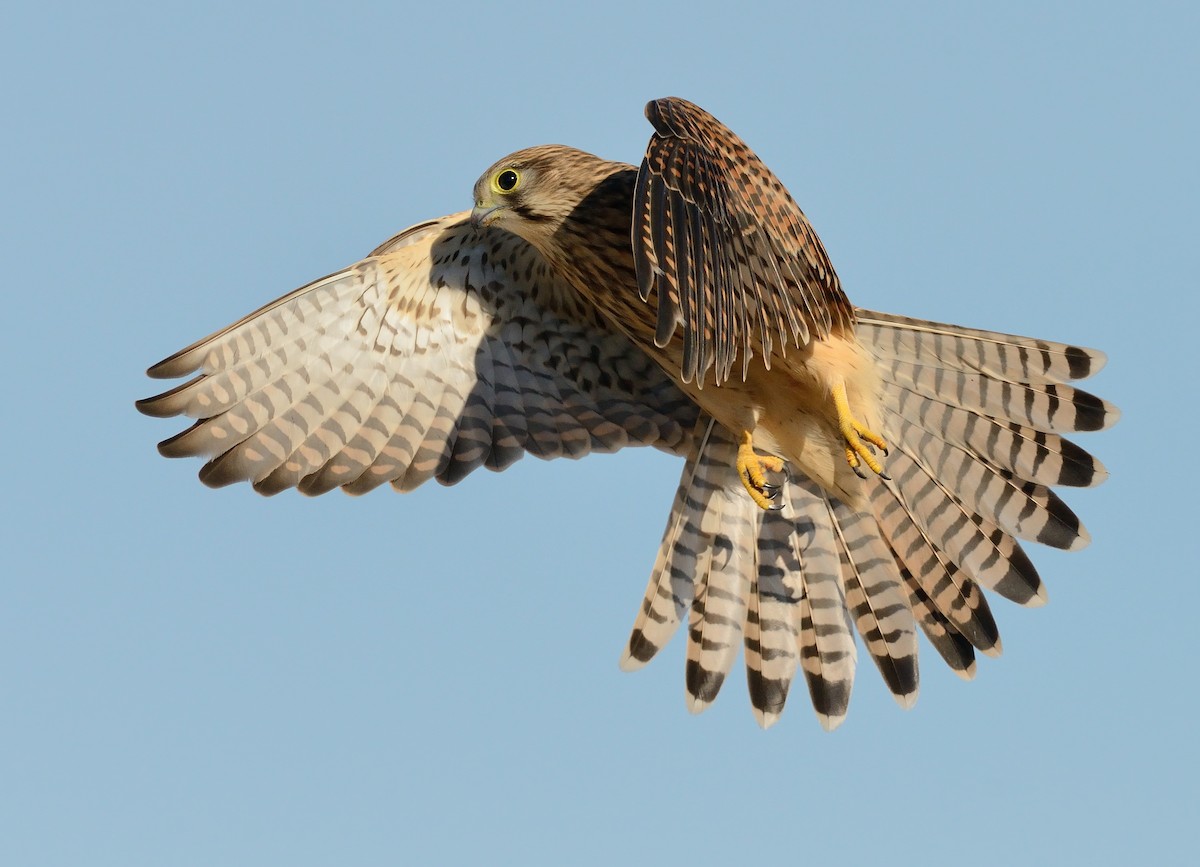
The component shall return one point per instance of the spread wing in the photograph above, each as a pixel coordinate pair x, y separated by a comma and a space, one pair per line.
725, 248
447, 349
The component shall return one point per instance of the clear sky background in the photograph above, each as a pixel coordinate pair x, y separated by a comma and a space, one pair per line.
198, 677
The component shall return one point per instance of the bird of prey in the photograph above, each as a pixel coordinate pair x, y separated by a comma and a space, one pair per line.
846, 470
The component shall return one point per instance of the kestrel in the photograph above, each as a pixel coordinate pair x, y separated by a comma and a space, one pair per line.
846, 470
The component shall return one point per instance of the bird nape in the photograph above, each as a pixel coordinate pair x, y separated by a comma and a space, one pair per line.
846, 470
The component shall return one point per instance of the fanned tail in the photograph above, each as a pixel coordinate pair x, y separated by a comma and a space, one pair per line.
975, 420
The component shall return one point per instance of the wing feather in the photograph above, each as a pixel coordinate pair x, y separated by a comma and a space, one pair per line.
703, 202
449, 349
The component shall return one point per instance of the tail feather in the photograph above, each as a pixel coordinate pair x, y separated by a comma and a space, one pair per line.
1046, 406
904, 522
963, 537
877, 600
723, 584
1025, 452
773, 621
1025, 509
956, 651
1002, 357
827, 654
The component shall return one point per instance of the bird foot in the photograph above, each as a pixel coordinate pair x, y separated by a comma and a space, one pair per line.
751, 467
861, 441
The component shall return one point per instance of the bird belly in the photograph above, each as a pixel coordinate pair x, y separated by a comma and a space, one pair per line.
789, 409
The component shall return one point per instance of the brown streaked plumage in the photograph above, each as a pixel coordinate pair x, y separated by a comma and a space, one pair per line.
588, 305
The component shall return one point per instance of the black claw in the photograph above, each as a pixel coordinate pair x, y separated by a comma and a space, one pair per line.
778, 507
885, 451
770, 491
885, 477
858, 472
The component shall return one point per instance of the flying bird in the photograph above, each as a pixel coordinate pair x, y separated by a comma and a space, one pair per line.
845, 470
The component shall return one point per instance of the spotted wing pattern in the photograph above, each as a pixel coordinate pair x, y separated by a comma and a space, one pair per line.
447, 349
975, 420
724, 247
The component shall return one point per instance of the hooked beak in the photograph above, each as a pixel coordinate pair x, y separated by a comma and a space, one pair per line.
483, 215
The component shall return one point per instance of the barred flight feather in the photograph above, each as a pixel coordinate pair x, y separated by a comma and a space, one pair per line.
956, 651
425, 361
877, 601
1003, 357
827, 654
722, 584
913, 523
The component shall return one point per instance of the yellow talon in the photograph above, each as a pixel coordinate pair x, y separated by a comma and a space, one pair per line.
857, 452
750, 466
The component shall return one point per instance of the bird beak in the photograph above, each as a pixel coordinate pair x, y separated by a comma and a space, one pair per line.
483, 215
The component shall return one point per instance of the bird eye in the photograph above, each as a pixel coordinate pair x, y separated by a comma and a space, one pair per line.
507, 181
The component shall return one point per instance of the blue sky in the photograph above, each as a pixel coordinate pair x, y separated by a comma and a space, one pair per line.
207, 677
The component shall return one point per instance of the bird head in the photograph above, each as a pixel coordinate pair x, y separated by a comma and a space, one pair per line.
531, 192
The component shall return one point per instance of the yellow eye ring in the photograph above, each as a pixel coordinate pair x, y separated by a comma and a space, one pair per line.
506, 180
